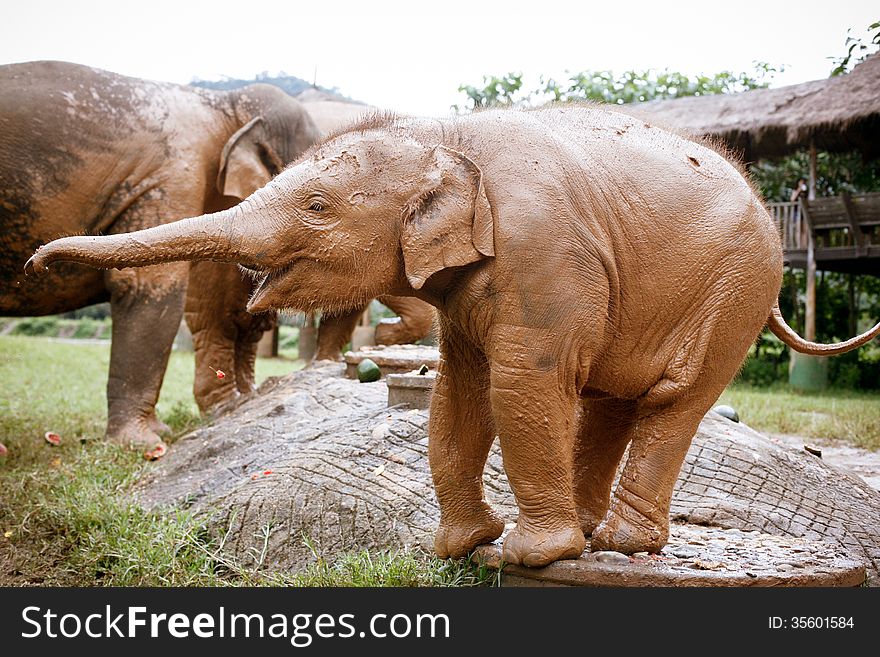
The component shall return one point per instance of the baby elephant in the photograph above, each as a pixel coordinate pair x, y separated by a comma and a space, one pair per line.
599, 281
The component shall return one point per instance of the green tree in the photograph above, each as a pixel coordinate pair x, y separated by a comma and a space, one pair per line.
835, 172
856, 50
495, 92
606, 87
641, 86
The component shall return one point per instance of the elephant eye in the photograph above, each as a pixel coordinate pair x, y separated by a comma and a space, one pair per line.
316, 207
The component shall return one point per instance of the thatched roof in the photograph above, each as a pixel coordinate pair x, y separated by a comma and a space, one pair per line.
840, 113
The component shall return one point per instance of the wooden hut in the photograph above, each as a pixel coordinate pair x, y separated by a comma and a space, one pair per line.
837, 114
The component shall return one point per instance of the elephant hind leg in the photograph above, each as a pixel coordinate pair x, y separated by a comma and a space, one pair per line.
415, 321
667, 418
605, 428
638, 517
335, 332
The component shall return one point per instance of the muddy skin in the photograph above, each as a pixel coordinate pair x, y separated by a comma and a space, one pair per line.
595, 288
225, 335
229, 346
336, 328
87, 152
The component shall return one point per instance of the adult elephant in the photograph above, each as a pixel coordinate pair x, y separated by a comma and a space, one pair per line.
599, 282
85, 151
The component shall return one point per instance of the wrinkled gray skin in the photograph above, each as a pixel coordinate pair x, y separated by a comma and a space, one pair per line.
84, 151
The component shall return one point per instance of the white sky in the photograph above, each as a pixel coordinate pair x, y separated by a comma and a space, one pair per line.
412, 56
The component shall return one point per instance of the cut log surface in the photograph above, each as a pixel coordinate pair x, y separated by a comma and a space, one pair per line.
318, 459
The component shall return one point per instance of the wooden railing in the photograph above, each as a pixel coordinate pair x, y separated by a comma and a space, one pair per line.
849, 221
790, 224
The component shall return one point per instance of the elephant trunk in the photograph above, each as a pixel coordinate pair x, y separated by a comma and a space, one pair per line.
225, 236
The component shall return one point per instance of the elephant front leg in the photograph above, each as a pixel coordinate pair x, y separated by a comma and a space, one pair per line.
219, 323
249, 337
245, 364
534, 419
460, 436
215, 353
146, 306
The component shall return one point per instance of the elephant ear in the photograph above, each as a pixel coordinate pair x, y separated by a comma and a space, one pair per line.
448, 223
248, 161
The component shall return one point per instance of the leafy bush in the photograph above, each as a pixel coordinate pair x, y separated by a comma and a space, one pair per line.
89, 328
97, 311
857, 370
182, 417
37, 326
288, 337
763, 372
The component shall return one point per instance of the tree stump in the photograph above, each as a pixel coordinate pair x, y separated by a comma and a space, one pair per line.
320, 456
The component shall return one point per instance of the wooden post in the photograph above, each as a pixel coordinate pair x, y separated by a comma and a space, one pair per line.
308, 339
809, 372
858, 238
810, 314
853, 305
811, 189
364, 334
267, 347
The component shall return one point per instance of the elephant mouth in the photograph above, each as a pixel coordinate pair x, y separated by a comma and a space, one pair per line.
260, 273
265, 279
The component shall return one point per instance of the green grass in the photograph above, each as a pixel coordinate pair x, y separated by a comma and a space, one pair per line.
60, 387
67, 512
72, 524
397, 568
850, 416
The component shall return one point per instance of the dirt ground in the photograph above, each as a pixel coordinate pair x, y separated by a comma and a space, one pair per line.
859, 462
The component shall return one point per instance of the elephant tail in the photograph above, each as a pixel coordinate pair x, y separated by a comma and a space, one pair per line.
784, 332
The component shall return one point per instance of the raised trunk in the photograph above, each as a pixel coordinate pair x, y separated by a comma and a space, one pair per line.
233, 235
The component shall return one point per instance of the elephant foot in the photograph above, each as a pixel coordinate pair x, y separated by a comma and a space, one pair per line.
157, 426
625, 529
590, 518
538, 548
456, 540
139, 435
227, 404
393, 333
333, 357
